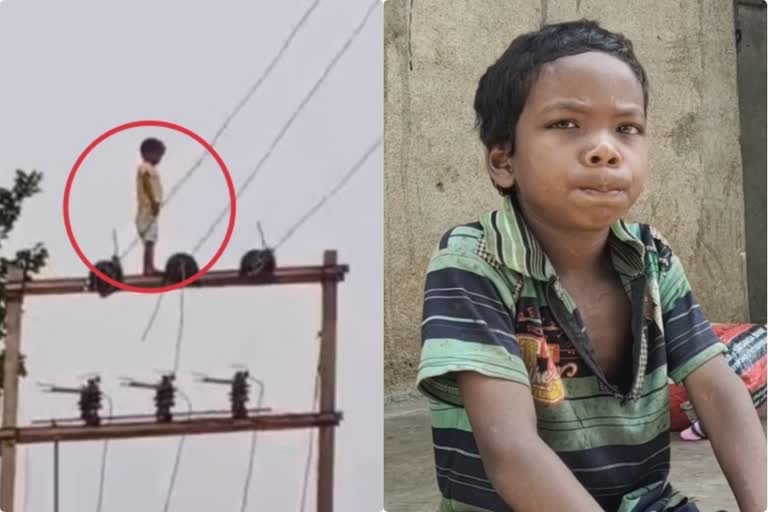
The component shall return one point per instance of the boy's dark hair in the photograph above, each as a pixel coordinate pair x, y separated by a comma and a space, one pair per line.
151, 146
503, 89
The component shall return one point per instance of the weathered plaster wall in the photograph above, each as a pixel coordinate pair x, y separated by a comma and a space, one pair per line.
435, 51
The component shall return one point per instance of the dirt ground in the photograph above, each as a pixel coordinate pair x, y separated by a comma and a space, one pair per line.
409, 481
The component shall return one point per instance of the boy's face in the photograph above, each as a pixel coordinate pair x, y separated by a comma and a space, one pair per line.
581, 154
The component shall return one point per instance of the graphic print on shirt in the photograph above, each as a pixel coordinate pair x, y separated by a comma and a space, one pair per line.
539, 358
548, 354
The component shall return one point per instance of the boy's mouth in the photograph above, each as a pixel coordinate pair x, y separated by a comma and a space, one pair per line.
604, 187
602, 191
603, 194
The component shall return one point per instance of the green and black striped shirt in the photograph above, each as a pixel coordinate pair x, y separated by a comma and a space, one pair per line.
493, 304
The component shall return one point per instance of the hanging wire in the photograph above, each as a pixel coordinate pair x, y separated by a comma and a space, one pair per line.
103, 471
261, 234
179, 450
176, 362
312, 433
238, 107
180, 333
317, 206
152, 317
252, 454
275, 142
244, 186
336, 188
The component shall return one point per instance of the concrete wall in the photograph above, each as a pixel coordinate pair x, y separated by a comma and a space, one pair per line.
435, 51
750, 21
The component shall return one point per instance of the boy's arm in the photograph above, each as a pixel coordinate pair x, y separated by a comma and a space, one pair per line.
471, 358
725, 409
147, 185
520, 465
719, 398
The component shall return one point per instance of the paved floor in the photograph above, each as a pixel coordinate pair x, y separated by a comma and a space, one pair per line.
409, 482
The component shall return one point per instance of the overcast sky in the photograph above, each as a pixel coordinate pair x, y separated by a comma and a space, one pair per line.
72, 70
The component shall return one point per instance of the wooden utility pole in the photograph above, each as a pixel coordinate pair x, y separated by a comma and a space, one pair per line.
327, 390
326, 419
10, 390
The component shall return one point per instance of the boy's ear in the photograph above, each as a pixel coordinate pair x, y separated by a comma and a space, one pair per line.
500, 167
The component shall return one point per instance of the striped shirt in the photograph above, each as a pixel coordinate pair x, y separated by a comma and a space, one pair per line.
493, 304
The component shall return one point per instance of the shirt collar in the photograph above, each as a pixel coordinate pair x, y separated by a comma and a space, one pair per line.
509, 240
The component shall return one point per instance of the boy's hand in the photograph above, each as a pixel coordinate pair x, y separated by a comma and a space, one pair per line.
147, 185
730, 421
519, 464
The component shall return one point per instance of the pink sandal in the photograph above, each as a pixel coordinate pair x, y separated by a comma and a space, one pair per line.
693, 433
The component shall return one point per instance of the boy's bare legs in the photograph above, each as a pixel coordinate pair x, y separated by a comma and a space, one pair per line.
149, 259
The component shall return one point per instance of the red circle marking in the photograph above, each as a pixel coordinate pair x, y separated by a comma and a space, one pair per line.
230, 189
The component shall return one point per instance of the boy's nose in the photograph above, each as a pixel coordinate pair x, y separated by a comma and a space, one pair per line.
602, 154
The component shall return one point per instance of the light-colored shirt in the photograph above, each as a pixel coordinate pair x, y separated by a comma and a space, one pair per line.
144, 199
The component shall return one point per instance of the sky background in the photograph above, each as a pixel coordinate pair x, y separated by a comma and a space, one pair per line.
73, 70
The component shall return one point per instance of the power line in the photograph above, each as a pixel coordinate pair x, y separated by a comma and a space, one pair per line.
102, 475
179, 450
152, 317
59, 433
252, 454
244, 186
275, 142
180, 332
288, 234
239, 106
311, 446
176, 361
333, 191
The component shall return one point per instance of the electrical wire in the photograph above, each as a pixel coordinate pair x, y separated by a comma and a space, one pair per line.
103, 471
238, 107
179, 450
252, 454
290, 232
180, 332
312, 432
334, 190
244, 186
275, 142
152, 317
176, 362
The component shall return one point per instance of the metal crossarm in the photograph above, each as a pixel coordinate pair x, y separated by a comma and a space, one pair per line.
328, 275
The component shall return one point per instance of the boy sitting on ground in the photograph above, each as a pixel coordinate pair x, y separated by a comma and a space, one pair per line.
550, 326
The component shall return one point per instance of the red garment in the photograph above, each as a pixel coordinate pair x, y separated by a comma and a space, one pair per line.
678, 420
746, 355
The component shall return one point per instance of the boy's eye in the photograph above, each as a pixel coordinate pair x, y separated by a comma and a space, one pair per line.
562, 125
630, 129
